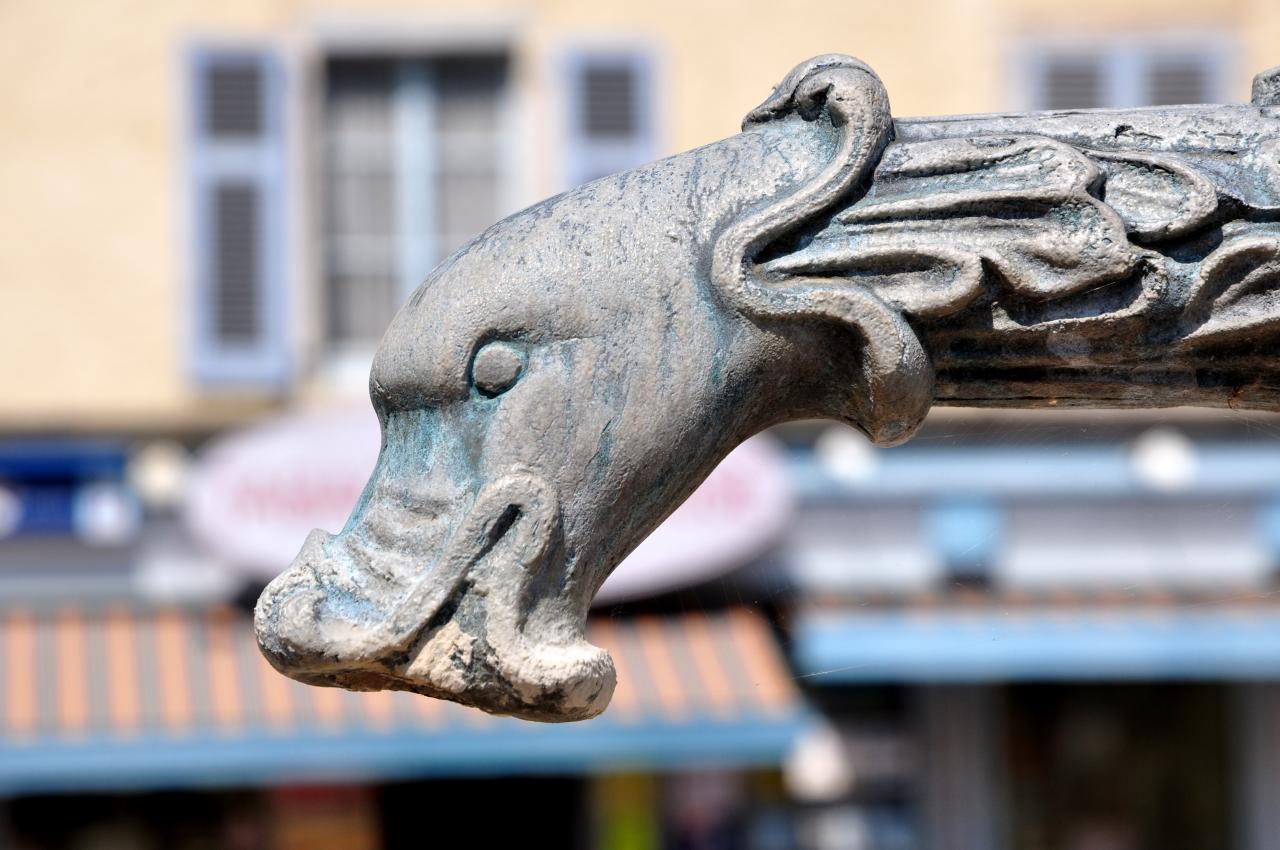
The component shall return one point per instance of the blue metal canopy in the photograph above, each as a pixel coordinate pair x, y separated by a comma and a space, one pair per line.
1042, 644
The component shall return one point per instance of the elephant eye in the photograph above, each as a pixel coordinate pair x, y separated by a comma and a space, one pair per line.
496, 367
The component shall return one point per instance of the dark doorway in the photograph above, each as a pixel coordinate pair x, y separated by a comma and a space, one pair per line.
1118, 767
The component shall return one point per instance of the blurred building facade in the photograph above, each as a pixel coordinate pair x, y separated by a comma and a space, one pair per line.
1017, 632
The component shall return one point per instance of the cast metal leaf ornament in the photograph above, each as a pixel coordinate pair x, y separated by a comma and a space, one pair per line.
555, 389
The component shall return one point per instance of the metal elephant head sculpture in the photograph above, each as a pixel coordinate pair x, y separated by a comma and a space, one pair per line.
556, 388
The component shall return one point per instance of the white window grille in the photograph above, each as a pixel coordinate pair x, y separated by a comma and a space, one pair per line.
413, 169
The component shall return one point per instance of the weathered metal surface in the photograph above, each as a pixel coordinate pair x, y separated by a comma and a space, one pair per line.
558, 386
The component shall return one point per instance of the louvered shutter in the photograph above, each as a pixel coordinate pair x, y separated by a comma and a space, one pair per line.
611, 114
1173, 80
1072, 83
237, 168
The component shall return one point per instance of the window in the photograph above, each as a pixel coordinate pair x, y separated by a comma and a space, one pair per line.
610, 114
1125, 74
236, 177
412, 171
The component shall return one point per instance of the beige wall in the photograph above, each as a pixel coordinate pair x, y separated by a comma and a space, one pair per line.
92, 275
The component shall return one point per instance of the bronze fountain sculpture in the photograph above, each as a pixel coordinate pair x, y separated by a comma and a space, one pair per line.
557, 387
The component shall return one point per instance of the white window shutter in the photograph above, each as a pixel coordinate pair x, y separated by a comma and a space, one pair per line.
611, 115
237, 325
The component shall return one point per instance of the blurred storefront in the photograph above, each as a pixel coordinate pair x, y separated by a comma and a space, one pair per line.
1034, 631
1071, 623
139, 698
1043, 632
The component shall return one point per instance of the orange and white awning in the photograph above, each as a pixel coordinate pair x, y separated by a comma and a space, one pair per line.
172, 697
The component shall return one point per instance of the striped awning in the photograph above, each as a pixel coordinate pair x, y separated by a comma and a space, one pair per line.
123, 697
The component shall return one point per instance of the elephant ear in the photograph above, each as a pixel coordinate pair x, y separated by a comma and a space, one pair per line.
843, 100
943, 217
